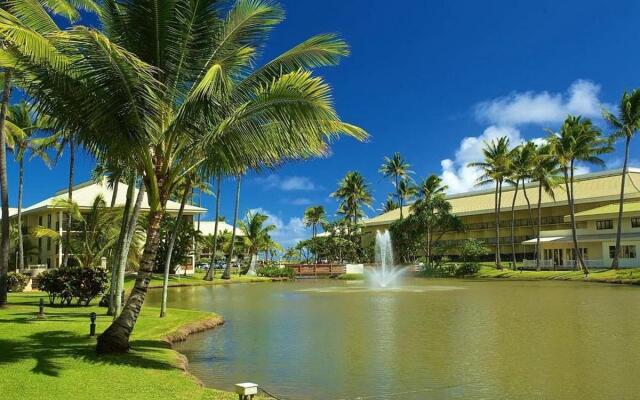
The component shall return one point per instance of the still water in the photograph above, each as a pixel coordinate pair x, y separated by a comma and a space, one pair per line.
434, 339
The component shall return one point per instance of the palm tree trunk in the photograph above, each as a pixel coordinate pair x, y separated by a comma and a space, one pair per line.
513, 226
568, 175
526, 197
124, 252
538, 253
4, 191
211, 271
19, 216
399, 195
114, 195
227, 269
497, 211
172, 242
616, 260
115, 261
116, 338
72, 158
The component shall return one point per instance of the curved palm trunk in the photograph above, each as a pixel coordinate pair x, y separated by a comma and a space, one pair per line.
72, 158
4, 191
172, 242
211, 271
115, 262
19, 216
513, 226
616, 259
538, 252
124, 252
116, 338
114, 195
227, 269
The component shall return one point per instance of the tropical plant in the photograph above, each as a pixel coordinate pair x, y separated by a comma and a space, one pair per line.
353, 193
397, 169
495, 168
67, 282
626, 125
431, 186
256, 235
214, 239
389, 205
520, 170
173, 83
226, 274
17, 281
578, 140
314, 216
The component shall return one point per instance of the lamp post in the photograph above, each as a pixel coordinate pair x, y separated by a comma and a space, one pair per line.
92, 326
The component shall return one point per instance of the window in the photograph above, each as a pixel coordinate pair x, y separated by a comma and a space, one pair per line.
48, 244
604, 224
571, 253
49, 221
625, 251
40, 220
635, 222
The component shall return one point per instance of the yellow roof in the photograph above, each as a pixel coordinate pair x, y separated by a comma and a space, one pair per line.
595, 187
607, 211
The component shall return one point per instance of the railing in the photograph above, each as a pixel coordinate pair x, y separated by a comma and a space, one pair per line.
318, 269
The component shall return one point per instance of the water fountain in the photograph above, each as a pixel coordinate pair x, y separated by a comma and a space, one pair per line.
385, 274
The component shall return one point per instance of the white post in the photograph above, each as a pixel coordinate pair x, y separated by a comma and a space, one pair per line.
60, 240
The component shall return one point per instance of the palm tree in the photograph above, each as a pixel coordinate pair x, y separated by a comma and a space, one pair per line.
520, 170
578, 140
431, 186
389, 205
227, 269
175, 83
214, 248
314, 216
22, 126
256, 236
406, 190
495, 168
626, 124
397, 169
546, 174
353, 193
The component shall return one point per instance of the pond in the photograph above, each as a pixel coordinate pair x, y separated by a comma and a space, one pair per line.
433, 339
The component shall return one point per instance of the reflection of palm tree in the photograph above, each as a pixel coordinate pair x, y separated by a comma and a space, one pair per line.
314, 216
578, 140
626, 124
494, 169
353, 193
397, 169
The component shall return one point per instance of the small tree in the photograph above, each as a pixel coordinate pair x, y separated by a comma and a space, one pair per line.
182, 247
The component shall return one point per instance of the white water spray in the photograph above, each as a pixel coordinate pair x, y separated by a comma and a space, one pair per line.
385, 274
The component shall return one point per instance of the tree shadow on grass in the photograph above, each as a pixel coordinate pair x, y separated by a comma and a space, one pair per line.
50, 348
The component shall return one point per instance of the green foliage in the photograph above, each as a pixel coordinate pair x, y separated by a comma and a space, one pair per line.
467, 269
334, 248
17, 281
473, 250
66, 283
274, 271
407, 243
182, 247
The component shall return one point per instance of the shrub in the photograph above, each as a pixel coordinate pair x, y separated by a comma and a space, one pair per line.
467, 269
66, 283
17, 281
272, 271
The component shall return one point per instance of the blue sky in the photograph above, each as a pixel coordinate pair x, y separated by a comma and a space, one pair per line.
432, 80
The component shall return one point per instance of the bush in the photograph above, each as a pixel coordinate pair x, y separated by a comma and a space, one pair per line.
467, 269
67, 283
17, 281
273, 271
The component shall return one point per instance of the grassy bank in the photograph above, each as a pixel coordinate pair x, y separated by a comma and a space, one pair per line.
351, 277
194, 280
624, 276
54, 358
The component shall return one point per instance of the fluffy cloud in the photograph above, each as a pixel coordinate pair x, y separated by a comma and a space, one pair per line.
287, 233
288, 184
506, 114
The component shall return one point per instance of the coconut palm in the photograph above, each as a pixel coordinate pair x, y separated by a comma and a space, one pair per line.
546, 173
214, 240
397, 169
389, 205
626, 125
495, 167
175, 83
578, 140
256, 235
227, 269
431, 186
407, 190
520, 170
353, 193
314, 216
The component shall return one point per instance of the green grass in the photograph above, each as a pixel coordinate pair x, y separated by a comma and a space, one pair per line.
351, 277
54, 358
628, 276
193, 280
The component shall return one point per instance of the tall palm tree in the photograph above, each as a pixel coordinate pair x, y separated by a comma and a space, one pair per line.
22, 126
227, 269
578, 140
389, 205
495, 167
214, 248
314, 216
353, 193
626, 125
546, 173
397, 169
175, 83
520, 170
256, 236
431, 186
407, 190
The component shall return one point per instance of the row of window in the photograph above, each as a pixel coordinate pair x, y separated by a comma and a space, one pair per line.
608, 223
627, 251
558, 219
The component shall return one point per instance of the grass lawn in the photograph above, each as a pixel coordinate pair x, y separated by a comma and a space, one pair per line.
194, 280
628, 275
54, 358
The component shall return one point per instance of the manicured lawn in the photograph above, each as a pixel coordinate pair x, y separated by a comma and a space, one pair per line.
194, 280
630, 276
54, 358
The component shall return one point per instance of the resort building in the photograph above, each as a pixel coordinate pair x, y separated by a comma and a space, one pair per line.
47, 252
596, 201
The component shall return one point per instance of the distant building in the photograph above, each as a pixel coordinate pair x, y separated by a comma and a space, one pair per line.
596, 199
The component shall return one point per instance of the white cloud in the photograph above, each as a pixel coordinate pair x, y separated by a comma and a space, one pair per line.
299, 201
287, 233
506, 114
288, 184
